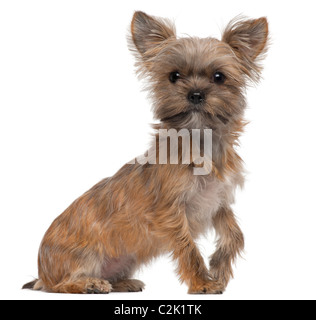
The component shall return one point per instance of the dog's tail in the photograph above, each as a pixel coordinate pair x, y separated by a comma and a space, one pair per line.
33, 285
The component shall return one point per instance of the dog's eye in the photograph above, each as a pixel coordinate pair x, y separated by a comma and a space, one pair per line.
174, 76
219, 78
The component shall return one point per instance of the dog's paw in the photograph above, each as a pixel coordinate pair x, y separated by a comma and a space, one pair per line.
207, 287
128, 285
97, 286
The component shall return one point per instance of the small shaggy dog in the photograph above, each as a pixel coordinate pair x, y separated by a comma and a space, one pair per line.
149, 208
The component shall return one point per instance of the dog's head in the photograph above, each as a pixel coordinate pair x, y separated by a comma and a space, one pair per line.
198, 82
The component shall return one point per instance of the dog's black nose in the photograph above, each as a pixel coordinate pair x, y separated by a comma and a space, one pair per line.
196, 97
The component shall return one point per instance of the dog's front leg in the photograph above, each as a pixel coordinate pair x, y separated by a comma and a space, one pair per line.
230, 243
174, 228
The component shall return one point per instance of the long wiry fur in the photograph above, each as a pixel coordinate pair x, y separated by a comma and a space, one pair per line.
146, 210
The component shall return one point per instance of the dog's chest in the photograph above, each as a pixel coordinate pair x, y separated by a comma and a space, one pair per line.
205, 198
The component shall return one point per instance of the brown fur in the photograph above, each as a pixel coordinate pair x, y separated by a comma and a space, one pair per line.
146, 210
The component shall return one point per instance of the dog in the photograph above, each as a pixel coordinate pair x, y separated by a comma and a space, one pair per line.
149, 208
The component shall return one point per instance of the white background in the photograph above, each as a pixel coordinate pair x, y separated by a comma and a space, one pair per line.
72, 112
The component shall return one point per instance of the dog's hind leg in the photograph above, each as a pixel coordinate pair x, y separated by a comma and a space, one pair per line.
83, 285
118, 271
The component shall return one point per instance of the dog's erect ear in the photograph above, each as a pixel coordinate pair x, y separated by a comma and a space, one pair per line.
148, 32
247, 37
249, 40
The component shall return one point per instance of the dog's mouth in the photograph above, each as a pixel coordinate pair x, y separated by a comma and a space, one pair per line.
184, 115
177, 117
